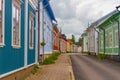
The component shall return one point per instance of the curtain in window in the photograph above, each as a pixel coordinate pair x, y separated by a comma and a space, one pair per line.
31, 30
16, 24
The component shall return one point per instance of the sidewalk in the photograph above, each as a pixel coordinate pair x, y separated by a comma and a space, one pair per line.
61, 70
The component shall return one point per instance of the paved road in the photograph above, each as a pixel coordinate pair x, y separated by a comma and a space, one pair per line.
90, 68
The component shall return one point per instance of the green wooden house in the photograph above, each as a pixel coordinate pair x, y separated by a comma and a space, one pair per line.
85, 42
108, 34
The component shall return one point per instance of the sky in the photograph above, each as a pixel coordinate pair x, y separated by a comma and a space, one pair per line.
73, 16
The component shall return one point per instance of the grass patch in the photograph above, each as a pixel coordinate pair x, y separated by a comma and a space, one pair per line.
101, 56
70, 76
51, 59
88, 53
68, 51
35, 70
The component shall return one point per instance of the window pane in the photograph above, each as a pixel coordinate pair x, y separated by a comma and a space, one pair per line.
1, 27
31, 34
16, 24
31, 30
0, 4
17, 15
14, 9
117, 38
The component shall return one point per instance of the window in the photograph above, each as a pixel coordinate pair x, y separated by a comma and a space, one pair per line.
106, 40
1, 23
16, 23
31, 31
101, 41
111, 39
116, 38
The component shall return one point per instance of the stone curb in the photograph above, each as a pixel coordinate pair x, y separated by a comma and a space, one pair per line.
71, 70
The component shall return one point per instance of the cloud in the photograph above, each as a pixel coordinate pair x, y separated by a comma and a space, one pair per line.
73, 15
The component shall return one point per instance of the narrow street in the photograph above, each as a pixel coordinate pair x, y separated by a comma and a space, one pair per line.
90, 68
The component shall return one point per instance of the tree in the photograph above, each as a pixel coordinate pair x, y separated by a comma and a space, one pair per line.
73, 38
79, 42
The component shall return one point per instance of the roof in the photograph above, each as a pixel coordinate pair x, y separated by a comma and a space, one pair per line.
63, 36
49, 9
70, 41
104, 18
55, 28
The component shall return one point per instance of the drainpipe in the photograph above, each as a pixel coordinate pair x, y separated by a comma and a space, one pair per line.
104, 38
118, 38
41, 27
38, 31
118, 33
98, 38
117, 8
60, 44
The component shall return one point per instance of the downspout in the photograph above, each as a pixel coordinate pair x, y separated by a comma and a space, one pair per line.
26, 34
104, 38
38, 31
41, 28
43, 33
119, 37
118, 31
60, 45
98, 38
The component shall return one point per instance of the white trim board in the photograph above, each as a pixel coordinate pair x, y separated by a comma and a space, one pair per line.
36, 50
26, 33
9, 73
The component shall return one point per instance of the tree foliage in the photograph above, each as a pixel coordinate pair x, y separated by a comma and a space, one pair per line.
73, 38
79, 43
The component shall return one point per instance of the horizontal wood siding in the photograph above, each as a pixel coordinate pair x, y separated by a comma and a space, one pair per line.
11, 58
31, 52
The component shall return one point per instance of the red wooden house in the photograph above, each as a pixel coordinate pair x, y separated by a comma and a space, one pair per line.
55, 38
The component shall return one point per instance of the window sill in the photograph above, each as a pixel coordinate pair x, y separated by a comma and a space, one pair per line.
16, 46
31, 48
116, 46
2, 44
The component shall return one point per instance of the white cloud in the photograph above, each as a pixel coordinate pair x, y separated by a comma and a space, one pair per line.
73, 15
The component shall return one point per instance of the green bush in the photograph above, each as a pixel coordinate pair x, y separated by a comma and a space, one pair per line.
68, 52
101, 56
88, 53
34, 71
51, 59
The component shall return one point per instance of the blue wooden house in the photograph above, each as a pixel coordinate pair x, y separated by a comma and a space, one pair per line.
17, 35
48, 19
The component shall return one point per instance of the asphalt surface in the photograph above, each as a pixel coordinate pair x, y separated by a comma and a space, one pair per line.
90, 68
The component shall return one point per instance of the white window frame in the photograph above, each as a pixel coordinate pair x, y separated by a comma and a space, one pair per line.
16, 46
31, 16
2, 44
